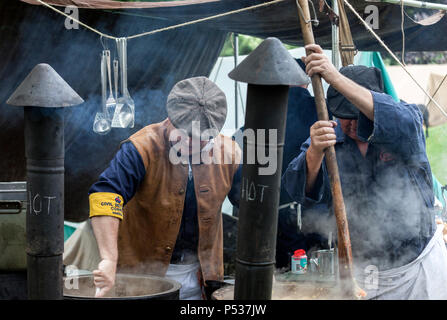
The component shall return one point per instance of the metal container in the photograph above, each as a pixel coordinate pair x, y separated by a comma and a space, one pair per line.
127, 287
13, 205
323, 262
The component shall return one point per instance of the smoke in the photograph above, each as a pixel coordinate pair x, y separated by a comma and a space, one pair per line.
388, 203
384, 217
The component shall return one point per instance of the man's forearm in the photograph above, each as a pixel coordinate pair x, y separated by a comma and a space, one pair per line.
356, 94
105, 229
313, 165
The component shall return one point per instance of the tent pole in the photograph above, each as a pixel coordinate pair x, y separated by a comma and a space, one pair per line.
236, 55
335, 38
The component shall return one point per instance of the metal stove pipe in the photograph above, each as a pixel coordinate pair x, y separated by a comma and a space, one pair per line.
258, 210
269, 71
44, 150
44, 94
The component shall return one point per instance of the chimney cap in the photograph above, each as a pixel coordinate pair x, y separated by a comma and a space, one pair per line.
270, 64
45, 88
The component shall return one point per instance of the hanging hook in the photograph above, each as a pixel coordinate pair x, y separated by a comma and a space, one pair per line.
118, 47
101, 39
315, 21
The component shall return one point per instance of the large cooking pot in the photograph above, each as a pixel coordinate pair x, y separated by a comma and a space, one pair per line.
127, 287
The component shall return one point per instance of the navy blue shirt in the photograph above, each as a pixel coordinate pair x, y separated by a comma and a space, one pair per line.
301, 115
125, 173
388, 193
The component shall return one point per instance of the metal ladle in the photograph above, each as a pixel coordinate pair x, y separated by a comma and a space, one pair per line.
101, 125
115, 76
126, 115
111, 102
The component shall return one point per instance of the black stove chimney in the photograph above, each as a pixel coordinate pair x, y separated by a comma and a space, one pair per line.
44, 94
269, 71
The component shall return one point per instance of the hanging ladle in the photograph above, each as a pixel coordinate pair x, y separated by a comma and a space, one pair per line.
101, 125
126, 114
111, 102
115, 76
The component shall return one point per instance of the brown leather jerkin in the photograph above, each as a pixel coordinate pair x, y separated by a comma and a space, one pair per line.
153, 216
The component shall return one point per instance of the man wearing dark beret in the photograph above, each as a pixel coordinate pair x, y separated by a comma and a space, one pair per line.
386, 180
157, 208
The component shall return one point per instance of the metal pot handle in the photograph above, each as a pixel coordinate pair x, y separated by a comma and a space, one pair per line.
10, 207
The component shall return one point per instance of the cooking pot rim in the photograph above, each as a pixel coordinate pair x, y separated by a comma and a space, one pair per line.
175, 287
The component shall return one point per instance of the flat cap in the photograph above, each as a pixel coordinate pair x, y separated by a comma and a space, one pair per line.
200, 100
368, 77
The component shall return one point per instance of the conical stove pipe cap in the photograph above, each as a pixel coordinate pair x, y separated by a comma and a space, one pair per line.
270, 64
45, 88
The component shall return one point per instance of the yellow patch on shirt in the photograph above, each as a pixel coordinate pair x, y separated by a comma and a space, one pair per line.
106, 204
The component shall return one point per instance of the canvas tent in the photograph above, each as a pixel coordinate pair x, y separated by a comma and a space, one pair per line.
430, 78
437, 88
280, 20
32, 34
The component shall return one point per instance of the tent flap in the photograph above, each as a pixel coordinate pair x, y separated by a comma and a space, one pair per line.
280, 20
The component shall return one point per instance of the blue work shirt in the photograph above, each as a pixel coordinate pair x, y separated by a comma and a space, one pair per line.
301, 115
388, 193
125, 173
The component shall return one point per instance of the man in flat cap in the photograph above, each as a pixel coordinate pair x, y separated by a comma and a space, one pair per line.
386, 180
157, 208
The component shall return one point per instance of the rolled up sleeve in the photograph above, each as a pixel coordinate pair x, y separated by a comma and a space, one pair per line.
294, 181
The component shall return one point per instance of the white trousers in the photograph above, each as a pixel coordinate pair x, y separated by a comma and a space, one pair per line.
186, 274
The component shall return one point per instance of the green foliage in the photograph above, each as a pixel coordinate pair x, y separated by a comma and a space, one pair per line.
437, 152
246, 45
422, 57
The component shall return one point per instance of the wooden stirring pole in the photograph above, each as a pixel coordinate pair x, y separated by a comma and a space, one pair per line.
344, 243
